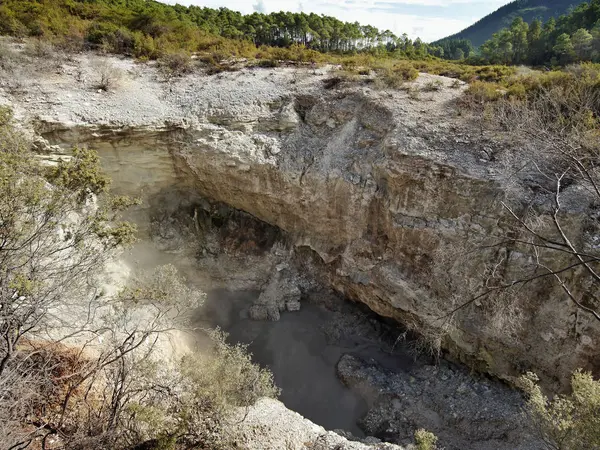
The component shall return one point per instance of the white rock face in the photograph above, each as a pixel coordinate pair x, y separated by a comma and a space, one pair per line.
376, 183
269, 425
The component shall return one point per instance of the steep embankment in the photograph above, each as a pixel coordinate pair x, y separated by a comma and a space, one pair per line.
384, 186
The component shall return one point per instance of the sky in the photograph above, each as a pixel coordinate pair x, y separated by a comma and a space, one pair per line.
427, 19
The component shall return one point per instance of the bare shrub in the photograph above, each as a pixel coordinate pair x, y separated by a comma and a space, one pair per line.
10, 59
456, 84
109, 78
39, 48
433, 86
552, 189
414, 93
559, 129
176, 64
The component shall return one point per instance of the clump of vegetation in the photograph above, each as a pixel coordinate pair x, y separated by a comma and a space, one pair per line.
480, 92
341, 77
393, 74
433, 86
414, 93
456, 84
39, 48
574, 88
425, 440
464, 71
566, 422
109, 77
268, 63
176, 64
7, 56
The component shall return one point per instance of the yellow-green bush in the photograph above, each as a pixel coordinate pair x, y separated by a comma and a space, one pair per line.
482, 91
425, 440
566, 422
517, 90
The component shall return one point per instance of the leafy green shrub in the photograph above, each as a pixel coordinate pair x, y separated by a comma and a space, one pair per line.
9, 24
405, 70
121, 394
6, 115
517, 91
144, 46
494, 74
394, 75
83, 169
228, 376
204, 390
425, 440
566, 422
357, 62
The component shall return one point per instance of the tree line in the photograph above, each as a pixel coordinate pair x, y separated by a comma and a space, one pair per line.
145, 28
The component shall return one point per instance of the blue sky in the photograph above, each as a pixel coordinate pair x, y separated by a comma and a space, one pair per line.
428, 19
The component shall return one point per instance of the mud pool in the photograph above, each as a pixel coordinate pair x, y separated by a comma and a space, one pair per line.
302, 355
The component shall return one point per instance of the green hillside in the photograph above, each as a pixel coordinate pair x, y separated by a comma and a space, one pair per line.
529, 10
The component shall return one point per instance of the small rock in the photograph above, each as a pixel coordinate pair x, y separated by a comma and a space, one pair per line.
292, 305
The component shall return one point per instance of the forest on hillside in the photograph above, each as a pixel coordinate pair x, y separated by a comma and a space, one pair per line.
528, 10
573, 37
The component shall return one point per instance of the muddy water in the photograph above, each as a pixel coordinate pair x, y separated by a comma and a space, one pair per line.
300, 355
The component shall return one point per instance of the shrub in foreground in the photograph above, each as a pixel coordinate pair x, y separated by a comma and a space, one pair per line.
566, 422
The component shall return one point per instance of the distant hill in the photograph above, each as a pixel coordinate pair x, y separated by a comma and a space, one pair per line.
482, 30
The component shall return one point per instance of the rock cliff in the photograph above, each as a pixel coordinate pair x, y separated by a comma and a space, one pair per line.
384, 186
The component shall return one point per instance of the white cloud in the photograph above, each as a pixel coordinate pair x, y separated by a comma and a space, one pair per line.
383, 14
259, 7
